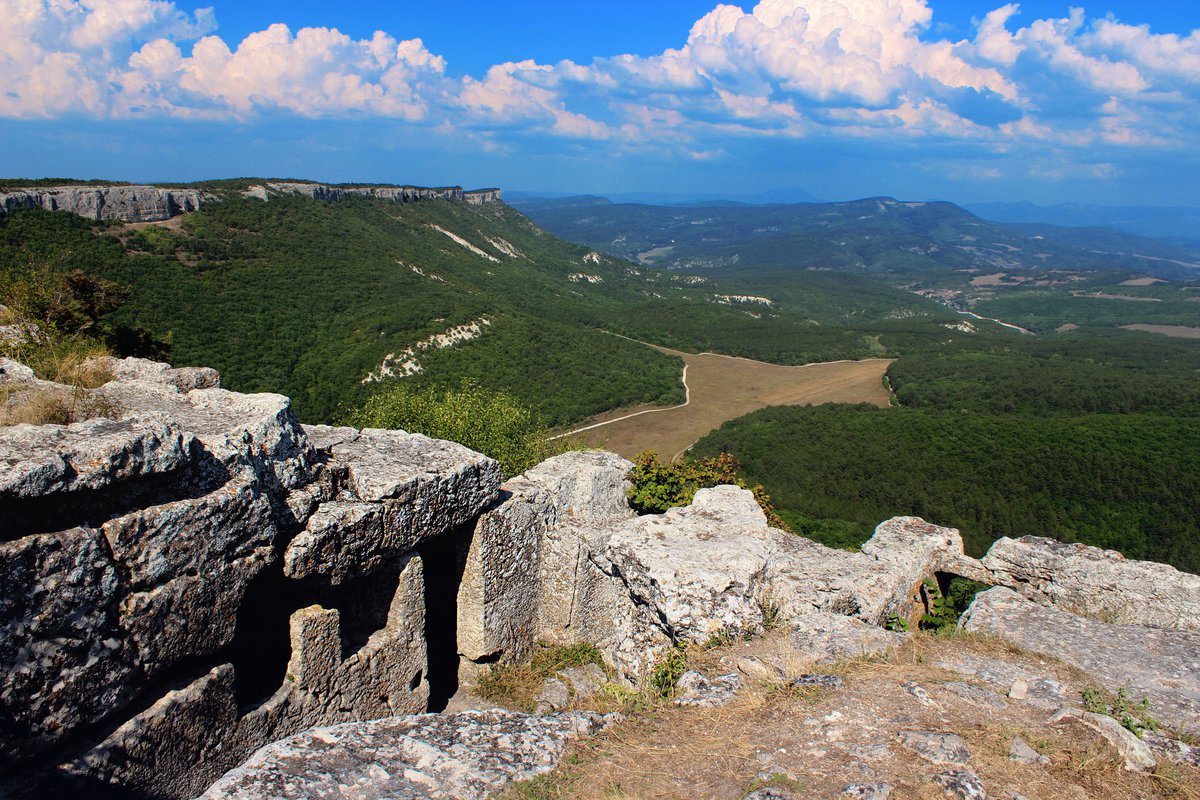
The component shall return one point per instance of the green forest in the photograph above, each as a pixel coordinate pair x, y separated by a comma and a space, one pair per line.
1093, 439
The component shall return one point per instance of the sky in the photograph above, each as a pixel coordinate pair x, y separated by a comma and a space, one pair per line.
963, 100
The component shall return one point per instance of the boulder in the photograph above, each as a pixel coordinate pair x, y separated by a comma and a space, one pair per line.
465, 756
528, 572
1136, 754
43, 460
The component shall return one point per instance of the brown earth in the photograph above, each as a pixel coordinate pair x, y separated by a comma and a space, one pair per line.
722, 388
1177, 331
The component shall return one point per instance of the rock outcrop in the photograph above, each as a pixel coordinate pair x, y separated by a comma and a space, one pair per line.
151, 562
155, 203
197, 575
399, 194
1095, 583
1160, 665
590, 571
128, 203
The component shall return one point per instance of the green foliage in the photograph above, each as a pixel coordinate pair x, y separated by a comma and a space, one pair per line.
658, 486
895, 622
1100, 372
667, 671
1121, 481
66, 301
943, 610
1134, 717
549, 659
493, 423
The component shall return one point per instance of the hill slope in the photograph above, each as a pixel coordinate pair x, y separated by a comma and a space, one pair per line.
323, 300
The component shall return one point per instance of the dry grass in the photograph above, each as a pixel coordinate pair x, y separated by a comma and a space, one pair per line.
772, 733
50, 406
724, 388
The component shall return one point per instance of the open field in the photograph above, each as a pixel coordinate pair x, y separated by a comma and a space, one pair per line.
1177, 331
721, 388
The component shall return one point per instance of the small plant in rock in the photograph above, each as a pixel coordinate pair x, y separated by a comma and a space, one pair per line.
897, 623
721, 638
1133, 716
667, 672
772, 612
517, 685
774, 781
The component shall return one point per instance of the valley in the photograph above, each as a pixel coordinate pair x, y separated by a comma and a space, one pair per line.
787, 319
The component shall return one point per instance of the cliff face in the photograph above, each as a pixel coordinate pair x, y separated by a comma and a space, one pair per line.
199, 575
399, 194
154, 204
128, 203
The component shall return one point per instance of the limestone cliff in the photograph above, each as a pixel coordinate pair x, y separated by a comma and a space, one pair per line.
197, 575
128, 203
155, 204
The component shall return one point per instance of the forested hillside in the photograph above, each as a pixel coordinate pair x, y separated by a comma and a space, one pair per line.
310, 298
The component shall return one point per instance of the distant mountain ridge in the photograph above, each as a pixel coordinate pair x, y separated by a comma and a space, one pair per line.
1166, 222
872, 235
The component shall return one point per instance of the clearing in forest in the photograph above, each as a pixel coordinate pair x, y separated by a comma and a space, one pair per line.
1176, 331
721, 388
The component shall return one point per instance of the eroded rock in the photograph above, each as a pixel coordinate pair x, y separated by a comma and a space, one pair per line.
1102, 584
1161, 665
465, 756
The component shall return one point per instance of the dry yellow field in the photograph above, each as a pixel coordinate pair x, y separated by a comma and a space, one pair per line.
721, 388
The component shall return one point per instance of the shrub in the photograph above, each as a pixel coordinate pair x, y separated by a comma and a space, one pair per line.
491, 422
667, 672
658, 486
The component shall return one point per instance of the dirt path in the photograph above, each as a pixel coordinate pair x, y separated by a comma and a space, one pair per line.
721, 388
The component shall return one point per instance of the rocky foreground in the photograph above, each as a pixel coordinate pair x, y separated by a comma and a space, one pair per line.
195, 576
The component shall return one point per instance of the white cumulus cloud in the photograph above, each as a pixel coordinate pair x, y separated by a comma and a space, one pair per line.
787, 68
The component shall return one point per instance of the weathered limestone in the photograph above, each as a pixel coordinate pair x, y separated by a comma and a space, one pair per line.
405, 489
65, 661
465, 756
41, 460
155, 204
399, 194
129, 548
1136, 754
129, 203
1096, 583
528, 572
1162, 665
171, 748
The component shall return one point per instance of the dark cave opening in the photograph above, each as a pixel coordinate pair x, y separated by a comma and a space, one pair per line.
262, 646
444, 559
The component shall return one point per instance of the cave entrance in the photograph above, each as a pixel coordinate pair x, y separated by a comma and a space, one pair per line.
444, 559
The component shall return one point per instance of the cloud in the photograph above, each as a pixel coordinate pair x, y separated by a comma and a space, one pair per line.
788, 69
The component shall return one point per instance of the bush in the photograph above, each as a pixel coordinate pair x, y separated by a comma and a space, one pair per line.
658, 486
493, 423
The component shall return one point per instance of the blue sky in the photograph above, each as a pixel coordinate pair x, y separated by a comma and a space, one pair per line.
954, 99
